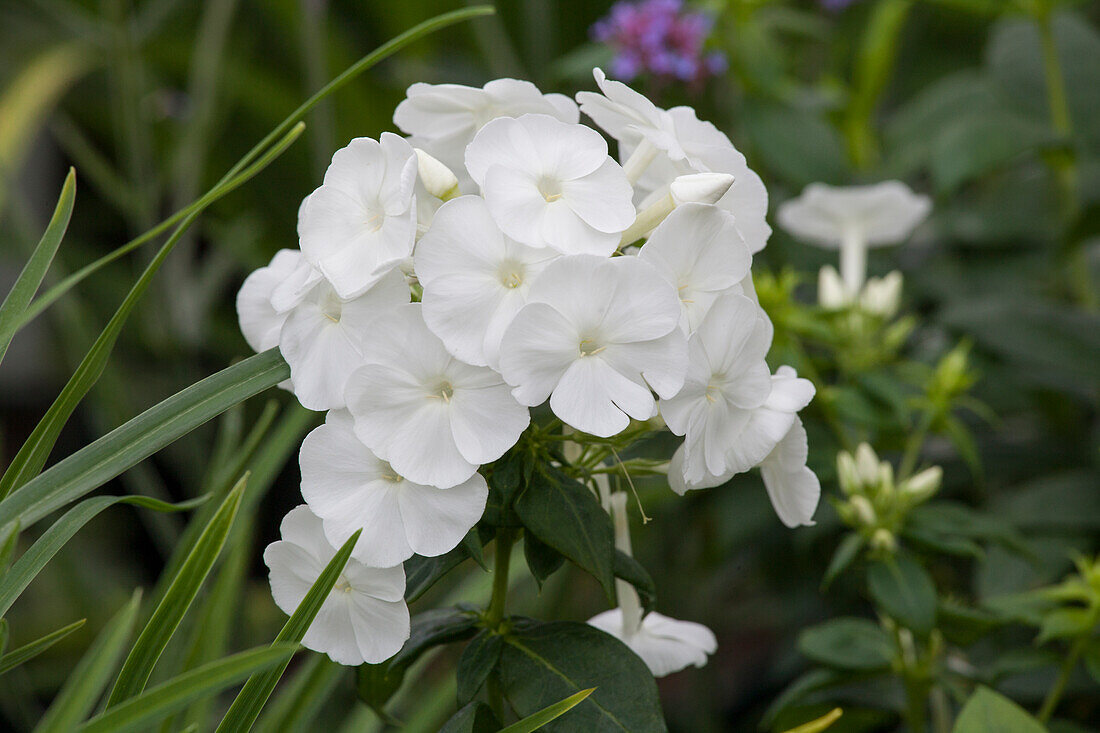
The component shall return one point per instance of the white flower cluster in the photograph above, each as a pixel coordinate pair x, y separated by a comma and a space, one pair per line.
488, 263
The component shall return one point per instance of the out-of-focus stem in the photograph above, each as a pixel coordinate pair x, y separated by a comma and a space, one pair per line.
1059, 687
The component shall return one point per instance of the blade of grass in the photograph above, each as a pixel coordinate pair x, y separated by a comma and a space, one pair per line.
15, 657
169, 612
252, 697
9, 536
27, 567
86, 682
551, 712
293, 709
32, 456
19, 297
231, 179
107, 457
142, 712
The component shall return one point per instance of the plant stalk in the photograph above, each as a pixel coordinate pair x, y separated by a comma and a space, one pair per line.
494, 615
1059, 687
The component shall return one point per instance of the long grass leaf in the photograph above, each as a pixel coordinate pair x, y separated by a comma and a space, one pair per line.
32, 456
144, 711
551, 712
9, 537
252, 697
141, 437
19, 297
169, 612
15, 657
293, 708
85, 684
27, 567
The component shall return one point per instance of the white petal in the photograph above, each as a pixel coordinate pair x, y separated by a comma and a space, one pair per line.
601, 198
486, 422
583, 398
537, 349
260, 321
436, 520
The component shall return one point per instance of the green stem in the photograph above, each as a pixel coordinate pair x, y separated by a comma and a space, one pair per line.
941, 712
494, 615
914, 445
1055, 694
809, 371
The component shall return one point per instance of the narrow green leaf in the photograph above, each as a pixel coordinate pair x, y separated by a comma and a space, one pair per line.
845, 553
251, 699
27, 567
476, 717
15, 657
32, 456
19, 297
9, 538
169, 612
141, 712
1066, 623
990, 712
551, 712
297, 702
3, 634
88, 679
123, 447
904, 590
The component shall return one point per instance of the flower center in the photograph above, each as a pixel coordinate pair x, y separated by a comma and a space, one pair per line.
443, 391
511, 274
550, 188
376, 217
331, 306
390, 475
588, 347
343, 585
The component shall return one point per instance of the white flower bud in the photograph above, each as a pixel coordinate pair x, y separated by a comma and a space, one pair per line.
924, 485
882, 296
885, 478
847, 473
864, 512
437, 178
831, 294
883, 539
700, 188
867, 465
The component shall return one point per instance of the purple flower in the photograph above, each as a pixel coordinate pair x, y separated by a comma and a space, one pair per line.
660, 38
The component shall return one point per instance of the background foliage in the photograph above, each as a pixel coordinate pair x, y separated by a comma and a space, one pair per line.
151, 101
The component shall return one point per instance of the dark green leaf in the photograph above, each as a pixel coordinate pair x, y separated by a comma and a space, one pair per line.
507, 477
542, 560
905, 591
476, 717
566, 516
1092, 660
628, 569
432, 628
15, 657
376, 684
798, 145
472, 543
847, 643
845, 553
478, 660
421, 573
1066, 623
9, 537
990, 712
544, 663
552, 712
977, 143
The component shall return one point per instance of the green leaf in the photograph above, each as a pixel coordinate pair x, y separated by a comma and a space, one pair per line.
31, 562
478, 660
129, 444
978, 143
421, 573
990, 712
15, 657
549, 713
19, 297
9, 538
169, 612
253, 696
3, 634
566, 516
506, 478
847, 643
297, 703
87, 680
141, 712
628, 569
846, 552
1066, 623
542, 560
905, 591
544, 663
1092, 660
477, 717
375, 684
798, 145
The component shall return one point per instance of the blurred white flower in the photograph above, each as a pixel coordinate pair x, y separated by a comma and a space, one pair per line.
434, 418
882, 296
475, 279
664, 644
444, 118
700, 252
260, 320
853, 218
551, 184
361, 222
364, 618
595, 337
792, 487
831, 293
322, 338
350, 488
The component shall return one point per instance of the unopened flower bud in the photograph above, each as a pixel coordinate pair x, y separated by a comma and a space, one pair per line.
883, 540
831, 294
700, 188
864, 512
882, 296
847, 473
437, 178
867, 465
885, 478
924, 485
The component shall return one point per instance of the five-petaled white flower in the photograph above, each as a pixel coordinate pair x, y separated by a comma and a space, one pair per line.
665, 644
551, 184
350, 488
361, 223
475, 279
364, 618
595, 337
434, 418
700, 252
260, 320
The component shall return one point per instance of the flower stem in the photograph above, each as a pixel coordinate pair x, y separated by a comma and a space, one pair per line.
494, 615
914, 445
1055, 694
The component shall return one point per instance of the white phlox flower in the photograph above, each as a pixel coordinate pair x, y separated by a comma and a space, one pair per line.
700, 252
435, 419
361, 222
882, 295
350, 488
657, 145
260, 320
548, 183
792, 487
322, 338
475, 279
595, 337
665, 644
364, 618
853, 218
443, 118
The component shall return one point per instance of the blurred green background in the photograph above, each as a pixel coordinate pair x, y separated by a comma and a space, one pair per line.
153, 100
